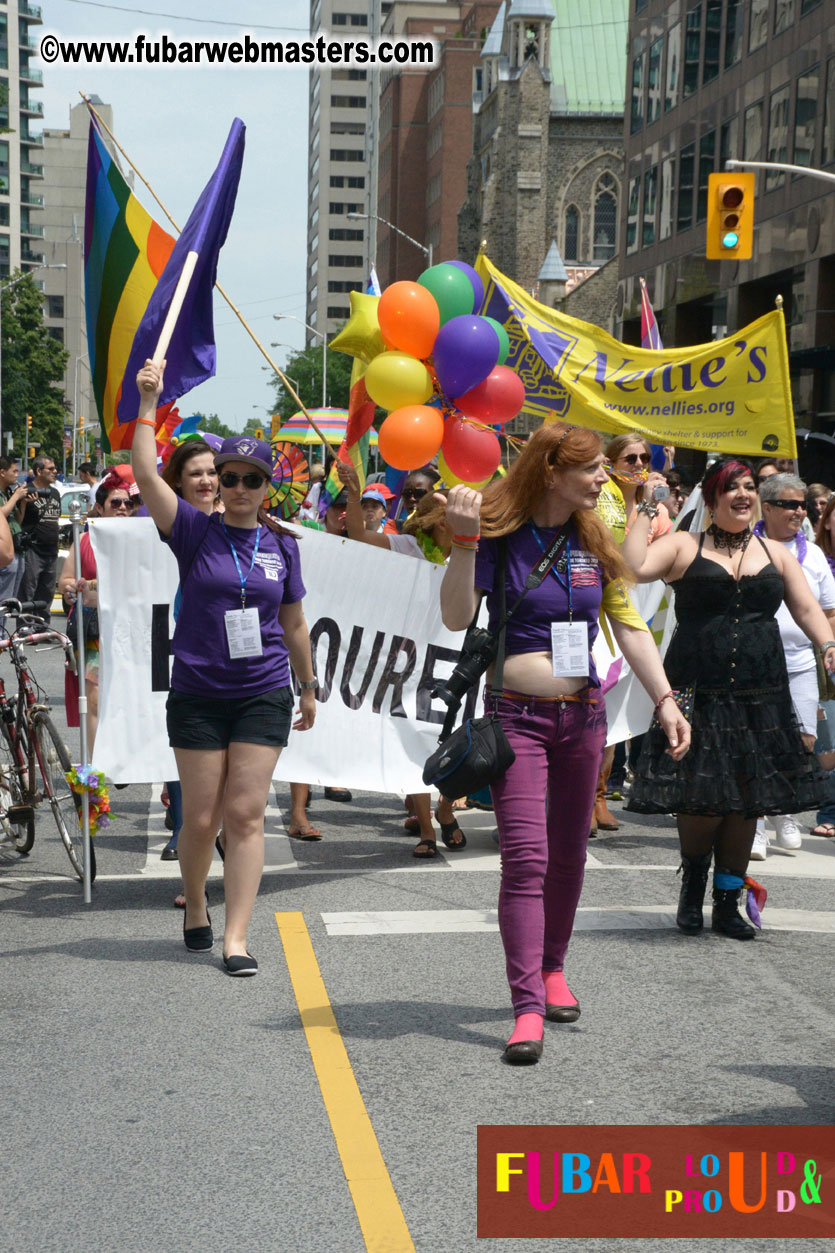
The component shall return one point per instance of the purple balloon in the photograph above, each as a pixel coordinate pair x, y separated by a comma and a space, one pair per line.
472, 275
464, 353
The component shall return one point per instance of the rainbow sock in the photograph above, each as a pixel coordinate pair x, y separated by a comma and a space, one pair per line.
528, 1027
557, 991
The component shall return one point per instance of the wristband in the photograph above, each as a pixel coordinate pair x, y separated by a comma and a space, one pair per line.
471, 548
466, 539
647, 507
828, 644
308, 685
148, 422
661, 700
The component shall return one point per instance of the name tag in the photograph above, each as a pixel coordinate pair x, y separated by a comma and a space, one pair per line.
243, 633
570, 650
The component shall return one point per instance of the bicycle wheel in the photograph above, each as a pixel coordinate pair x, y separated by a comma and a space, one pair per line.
21, 836
53, 762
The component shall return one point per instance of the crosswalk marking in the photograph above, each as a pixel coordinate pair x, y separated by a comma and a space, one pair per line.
589, 918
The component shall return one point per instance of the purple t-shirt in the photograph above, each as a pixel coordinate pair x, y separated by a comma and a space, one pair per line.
529, 630
210, 585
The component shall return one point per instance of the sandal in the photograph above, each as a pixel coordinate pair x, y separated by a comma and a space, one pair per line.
448, 830
826, 829
430, 850
305, 833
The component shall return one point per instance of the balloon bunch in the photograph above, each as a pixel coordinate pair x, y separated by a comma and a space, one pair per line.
442, 376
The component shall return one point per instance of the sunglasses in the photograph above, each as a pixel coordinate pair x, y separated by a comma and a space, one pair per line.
632, 458
251, 481
787, 504
120, 504
414, 493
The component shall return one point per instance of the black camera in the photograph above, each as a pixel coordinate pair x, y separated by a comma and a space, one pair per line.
477, 651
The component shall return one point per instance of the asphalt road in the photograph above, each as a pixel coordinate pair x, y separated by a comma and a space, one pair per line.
154, 1104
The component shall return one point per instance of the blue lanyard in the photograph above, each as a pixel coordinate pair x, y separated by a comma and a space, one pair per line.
238, 564
555, 572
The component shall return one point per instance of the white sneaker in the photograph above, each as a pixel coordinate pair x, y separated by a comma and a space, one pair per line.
760, 845
787, 832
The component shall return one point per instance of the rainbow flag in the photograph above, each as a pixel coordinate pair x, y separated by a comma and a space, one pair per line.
125, 252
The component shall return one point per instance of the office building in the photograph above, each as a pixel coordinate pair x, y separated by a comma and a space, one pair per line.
21, 168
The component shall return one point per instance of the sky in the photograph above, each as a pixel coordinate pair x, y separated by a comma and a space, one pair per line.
173, 124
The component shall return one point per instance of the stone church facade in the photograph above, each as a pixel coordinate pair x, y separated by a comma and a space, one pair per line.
547, 164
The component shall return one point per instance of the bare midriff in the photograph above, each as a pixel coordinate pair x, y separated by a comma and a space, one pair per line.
532, 674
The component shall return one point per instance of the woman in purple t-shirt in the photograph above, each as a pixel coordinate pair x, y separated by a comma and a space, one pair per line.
550, 706
230, 706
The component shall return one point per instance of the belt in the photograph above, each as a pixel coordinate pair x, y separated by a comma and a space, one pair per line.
577, 697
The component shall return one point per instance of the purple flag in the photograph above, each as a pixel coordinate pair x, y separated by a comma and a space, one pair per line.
191, 355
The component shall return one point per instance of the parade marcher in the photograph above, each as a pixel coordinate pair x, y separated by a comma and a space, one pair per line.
825, 818
748, 757
240, 628
426, 536
13, 497
550, 707
113, 500
416, 485
41, 520
783, 497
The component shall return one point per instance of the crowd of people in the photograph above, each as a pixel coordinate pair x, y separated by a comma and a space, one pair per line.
739, 741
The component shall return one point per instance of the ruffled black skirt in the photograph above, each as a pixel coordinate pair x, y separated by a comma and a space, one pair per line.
746, 758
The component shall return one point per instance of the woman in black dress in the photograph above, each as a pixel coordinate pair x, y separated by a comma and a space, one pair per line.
747, 756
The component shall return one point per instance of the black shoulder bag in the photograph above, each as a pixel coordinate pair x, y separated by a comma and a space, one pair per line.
478, 753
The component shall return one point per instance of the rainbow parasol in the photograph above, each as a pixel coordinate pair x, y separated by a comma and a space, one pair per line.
331, 422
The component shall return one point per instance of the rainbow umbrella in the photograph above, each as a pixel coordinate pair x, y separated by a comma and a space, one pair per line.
331, 422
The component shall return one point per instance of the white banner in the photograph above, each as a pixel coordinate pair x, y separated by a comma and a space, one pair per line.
379, 645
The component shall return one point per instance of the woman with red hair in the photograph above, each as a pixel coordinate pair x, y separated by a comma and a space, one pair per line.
550, 704
748, 757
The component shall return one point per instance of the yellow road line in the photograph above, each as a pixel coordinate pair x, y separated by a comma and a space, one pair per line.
375, 1200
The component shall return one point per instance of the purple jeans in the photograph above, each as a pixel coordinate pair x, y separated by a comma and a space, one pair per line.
543, 810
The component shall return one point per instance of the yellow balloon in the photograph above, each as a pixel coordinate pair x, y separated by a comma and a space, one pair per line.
395, 379
360, 336
452, 480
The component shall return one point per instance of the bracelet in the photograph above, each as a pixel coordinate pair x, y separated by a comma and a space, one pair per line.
466, 539
308, 685
148, 422
647, 507
661, 699
828, 644
470, 548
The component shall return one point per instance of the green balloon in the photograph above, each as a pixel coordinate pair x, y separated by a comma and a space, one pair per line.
504, 342
451, 288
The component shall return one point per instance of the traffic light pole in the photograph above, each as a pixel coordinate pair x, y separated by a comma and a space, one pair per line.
808, 170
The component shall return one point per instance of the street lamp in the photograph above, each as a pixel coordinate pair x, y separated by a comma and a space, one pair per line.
426, 249
279, 317
58, 265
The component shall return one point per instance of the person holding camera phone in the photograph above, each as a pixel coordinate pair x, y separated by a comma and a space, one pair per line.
550, 706
41, 520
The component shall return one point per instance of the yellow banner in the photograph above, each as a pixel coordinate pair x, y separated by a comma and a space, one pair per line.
731, 395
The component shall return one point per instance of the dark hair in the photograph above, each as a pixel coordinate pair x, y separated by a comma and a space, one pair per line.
822, 536
721, 475
6, 463
40, 461
173, 469
87, 467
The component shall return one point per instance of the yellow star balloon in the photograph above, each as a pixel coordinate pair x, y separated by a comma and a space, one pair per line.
360, 336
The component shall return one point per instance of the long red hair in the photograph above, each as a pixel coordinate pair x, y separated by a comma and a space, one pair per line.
509, 503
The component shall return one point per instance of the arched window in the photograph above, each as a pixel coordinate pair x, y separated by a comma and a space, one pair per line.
605, 218
572, 233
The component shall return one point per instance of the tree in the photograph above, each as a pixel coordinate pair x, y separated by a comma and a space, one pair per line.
212, 423
32, 363
305, 369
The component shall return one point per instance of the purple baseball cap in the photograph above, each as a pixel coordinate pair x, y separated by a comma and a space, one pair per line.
255, 452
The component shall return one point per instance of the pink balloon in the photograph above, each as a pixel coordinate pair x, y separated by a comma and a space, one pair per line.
497, 399
470, 451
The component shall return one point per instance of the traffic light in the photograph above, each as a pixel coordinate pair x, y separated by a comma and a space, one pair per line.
275, 425
31, 454
28, 422
730, 217
259, 433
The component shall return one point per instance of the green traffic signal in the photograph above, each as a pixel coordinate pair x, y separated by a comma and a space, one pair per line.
730, 239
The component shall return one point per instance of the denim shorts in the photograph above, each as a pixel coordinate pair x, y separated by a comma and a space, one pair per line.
214, 722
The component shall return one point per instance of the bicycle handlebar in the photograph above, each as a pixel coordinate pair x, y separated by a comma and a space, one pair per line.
16, 608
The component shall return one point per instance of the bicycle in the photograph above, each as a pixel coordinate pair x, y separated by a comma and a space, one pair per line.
31, 746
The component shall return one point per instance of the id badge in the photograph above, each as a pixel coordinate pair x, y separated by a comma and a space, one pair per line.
570, 650
243, 632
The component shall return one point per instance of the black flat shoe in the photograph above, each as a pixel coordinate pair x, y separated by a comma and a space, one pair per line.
337, 794
239, 966
198, 939
523, 1053
562, 1013
169, 853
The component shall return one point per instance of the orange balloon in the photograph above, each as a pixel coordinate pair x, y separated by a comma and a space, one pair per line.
411, 436
409, 318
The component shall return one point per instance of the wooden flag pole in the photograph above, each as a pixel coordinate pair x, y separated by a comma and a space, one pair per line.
285, 381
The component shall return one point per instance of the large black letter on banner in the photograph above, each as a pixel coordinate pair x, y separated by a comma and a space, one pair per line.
395, 678
160, 648
352, 701
321, 627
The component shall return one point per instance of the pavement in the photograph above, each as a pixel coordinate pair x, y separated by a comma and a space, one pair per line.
332, 1102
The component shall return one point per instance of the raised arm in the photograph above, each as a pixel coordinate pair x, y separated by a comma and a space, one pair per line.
160, 499
353, 514
649, 561
458, 594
